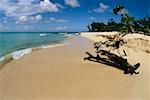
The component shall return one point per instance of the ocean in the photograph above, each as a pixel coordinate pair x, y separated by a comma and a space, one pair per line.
22, 42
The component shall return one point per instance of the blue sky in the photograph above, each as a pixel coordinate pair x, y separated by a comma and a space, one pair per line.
63, 15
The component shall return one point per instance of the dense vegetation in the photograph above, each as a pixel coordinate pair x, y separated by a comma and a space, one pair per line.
126, 24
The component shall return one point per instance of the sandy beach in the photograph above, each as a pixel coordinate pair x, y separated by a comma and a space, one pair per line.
60, 73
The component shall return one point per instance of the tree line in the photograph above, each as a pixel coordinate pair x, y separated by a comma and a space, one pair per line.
127, 23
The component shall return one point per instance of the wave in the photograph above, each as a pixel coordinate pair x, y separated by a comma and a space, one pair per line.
20, 53
69, 34
63, 33
14, 55
2, 58
43, 34
55, 45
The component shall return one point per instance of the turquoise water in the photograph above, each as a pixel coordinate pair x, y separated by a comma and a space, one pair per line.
13, 41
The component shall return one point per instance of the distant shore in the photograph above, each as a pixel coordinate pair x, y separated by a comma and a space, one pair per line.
61, 73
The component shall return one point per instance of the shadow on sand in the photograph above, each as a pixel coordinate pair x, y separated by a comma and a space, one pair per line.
113, 60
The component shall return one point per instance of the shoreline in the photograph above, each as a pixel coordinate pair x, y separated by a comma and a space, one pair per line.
64, 34
89, 35
13, 55
22, 52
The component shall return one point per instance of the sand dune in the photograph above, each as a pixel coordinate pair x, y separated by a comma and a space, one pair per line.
60, 73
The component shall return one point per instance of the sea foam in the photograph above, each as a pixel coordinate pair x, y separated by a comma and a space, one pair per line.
56, 45
62, 33
68, 34
2, 58
21, 53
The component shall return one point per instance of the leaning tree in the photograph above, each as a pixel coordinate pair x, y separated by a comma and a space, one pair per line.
104, 49
126, 20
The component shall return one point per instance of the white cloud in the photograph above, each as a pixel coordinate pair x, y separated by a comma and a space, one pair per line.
61, 27
37, 19
60, 6
29, 19
123, 11
46, 5
52, 19
72, 3
102, 8
24, 2
27, 7
92, 18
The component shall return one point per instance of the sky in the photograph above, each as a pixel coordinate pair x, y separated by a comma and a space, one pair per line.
63, 15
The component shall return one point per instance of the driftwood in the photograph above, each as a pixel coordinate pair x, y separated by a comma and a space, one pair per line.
114, 43
111, 59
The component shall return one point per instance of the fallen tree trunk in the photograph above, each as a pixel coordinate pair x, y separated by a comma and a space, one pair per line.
111, 59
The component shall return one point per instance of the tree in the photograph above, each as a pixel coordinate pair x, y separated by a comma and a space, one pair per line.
126, 19
126, 25
111, 25
89, 27
144, 24
96, 26
117, 9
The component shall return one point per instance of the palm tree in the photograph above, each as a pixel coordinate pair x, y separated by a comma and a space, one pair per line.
111, 25
96, 27
117, 9
89, 27
145, 24
126, 19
